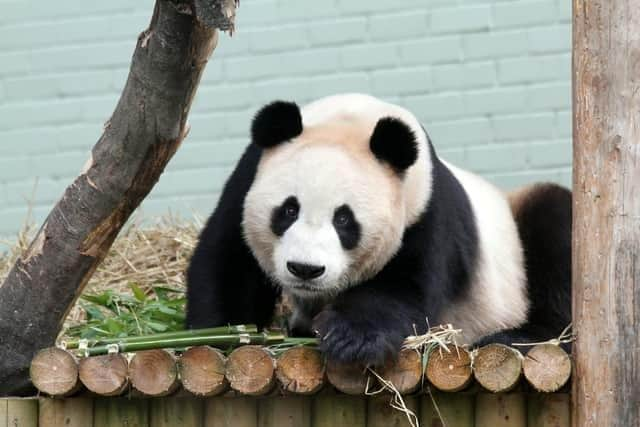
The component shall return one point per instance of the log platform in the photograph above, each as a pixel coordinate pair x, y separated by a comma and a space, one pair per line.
494, 386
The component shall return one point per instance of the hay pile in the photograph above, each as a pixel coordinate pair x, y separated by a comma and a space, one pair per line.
145, 254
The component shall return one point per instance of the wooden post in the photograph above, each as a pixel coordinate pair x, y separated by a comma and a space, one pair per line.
606, 208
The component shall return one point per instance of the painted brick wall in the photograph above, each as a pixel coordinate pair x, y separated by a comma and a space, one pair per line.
490, 79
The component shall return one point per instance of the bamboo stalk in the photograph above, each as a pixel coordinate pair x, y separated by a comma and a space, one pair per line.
547, 367
220, 341
251, 370
497, 367
221, 330
105, 375
154, 373
348, 378
202, 371
55, 372
301, 370
405, 373
449, 371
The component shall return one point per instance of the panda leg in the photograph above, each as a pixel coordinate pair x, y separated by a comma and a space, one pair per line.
543, 217
225, 285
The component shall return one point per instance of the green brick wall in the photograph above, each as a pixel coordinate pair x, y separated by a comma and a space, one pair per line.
490, 79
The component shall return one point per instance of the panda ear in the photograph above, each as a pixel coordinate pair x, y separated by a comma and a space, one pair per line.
394, 142
275, 123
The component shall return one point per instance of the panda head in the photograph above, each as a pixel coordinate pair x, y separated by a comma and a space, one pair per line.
336, 186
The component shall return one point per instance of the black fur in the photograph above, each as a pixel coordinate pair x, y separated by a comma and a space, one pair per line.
347, 227
225, 283
275, 123
394, 142
544, 223
285, 215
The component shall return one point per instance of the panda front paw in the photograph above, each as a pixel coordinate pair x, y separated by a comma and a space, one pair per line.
345, 340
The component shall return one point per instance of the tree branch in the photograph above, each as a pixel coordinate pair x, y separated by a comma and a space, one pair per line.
144, 132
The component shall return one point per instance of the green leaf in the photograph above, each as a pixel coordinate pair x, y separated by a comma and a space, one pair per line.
138, 292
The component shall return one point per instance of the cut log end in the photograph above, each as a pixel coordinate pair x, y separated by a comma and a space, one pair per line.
348, 378
301, 370
251, 370
55, 372
547, 367
105, 375
154, 373
449, 371
497, 367
202, 371
405, 373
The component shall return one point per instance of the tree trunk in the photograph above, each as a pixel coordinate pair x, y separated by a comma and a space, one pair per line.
146, 129
606, 222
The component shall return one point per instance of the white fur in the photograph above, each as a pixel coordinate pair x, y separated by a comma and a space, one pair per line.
328, 165
498, 298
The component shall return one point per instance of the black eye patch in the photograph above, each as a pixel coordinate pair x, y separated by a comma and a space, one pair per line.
284, 215
348, 229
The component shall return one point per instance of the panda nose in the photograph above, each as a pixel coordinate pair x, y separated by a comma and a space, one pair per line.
305, 271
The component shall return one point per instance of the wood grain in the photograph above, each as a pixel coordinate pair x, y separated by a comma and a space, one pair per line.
606, 212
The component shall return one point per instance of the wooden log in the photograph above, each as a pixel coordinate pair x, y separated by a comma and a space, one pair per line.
176, 412
288, 411
606, 213
301, 370
70, 412
497, 367
154, 373
202, 371
349, 378
231, 412
405, 373
251, 370
449, 371
19, 412
501, 410
547, 367
55, 372
105, 375
147, 127
549, 410
332, 410
448, 409
381, 414
116, 412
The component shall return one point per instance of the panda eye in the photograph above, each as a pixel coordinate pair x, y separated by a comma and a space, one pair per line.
291, 211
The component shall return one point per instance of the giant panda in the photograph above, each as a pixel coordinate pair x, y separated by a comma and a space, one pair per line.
344, 207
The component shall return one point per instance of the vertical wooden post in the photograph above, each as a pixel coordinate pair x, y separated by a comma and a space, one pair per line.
606, 223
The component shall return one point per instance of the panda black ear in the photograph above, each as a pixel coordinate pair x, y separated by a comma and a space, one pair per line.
275, 123
394, 142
